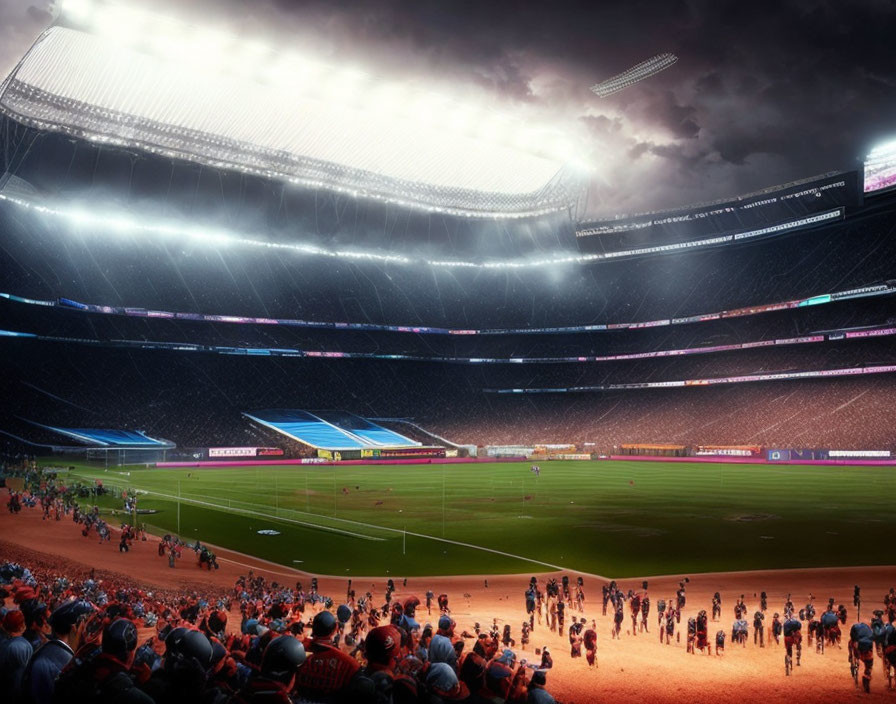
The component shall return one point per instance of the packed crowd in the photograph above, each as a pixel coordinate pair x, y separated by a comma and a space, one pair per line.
187, 403
848, 413
79, 640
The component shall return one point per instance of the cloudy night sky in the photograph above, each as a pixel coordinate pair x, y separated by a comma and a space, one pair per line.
763, 92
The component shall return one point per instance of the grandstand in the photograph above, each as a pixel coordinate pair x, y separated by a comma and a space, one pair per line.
511, 300
109, 438
330, 430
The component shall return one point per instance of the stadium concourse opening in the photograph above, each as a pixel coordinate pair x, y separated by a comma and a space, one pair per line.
332, 370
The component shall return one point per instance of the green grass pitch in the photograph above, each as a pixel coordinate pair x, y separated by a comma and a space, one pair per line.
617, 519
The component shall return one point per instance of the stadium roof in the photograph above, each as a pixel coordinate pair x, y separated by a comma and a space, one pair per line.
139, 81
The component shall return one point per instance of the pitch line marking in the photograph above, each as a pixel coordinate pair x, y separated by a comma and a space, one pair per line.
368, 525
268, 516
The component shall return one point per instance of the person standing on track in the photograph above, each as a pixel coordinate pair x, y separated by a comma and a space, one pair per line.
861, 651
618, 618
759, 629
590, 643
635, 608
645, 612
793, 636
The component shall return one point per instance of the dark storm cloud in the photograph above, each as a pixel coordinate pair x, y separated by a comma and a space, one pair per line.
763, 92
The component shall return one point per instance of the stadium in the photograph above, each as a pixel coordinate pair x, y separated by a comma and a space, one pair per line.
383, 398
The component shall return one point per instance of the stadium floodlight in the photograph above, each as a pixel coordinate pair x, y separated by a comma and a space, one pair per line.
96, 221
639, 72
886, 150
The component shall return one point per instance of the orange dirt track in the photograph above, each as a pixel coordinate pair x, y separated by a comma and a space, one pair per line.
634, 669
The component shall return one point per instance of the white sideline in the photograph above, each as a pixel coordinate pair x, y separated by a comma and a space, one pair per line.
360, 535
266, 515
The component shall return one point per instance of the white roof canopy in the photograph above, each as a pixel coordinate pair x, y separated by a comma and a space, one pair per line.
274, 121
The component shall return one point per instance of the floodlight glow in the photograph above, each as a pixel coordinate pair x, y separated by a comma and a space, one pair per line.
427, 108
388, 100
880, 167
210, 50
883, 149
155, 94
344, 82
283, 72
77, 10
463, 118
490, 128
97, 221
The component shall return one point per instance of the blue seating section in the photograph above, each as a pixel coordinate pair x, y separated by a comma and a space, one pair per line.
110, 438
306, 428
369, 432
329, 430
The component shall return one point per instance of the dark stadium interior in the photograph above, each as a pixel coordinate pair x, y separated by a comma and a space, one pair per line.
196, 398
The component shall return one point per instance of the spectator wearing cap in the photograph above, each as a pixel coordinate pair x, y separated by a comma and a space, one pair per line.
327, 670
15, 651
446, 626
184, 672
105, 677
381, 647
37, 626
283, 657
441, 679
537, 692
67, 623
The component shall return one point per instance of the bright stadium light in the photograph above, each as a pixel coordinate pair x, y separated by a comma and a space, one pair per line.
491, 127
344, 82
120, 24
428, 108
211, 48
284, 71
77, 10
463, 118
142, 81
387, 100
95, 221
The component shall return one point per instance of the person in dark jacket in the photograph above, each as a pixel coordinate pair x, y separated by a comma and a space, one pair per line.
102, 675
68, 626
